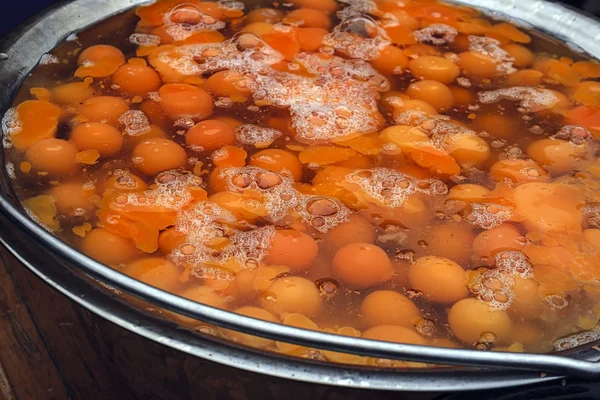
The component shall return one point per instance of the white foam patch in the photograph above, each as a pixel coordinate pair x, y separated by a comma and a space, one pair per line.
256, 135
530, 99
11, 124
436, 34
393, 188
10, 170
172, 192
496, 286
577, 339
488, 215
49, 59
134, 122
144, 39
575, 134
356, 8
491, 48
358, 36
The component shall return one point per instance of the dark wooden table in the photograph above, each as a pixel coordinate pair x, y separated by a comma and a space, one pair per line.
51, 348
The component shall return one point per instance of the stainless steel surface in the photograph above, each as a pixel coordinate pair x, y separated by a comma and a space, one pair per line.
42, 34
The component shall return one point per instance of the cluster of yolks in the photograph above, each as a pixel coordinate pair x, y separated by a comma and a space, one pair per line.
229, 161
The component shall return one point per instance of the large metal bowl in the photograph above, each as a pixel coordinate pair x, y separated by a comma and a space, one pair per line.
108, 293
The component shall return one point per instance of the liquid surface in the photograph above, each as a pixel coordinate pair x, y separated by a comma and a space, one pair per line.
406, 171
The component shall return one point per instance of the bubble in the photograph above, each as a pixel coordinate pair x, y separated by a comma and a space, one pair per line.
577, 339
328, 287
436, 34
135, 122
256, 135
425, 327
144, 39
529, 99
557, 301
391, 187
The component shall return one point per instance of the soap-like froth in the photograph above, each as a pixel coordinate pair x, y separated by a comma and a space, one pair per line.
529, 99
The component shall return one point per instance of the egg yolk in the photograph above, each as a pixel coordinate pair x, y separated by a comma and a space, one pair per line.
210, 135
53, 156
106, 139
294, 249
277, 160
439, 279
387, 307
291, 294
470, 318
156, 155
362, 265
108, 248
136, 80
392, 333
180, 100
155, 271
105, 109
249, 340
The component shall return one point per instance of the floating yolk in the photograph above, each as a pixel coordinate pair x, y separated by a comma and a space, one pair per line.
587, 93
310, 38
451, 240
554, 155
155, 271
179, 100
249, 340
108, 248
498, 126
517, 171
468, 192
549, 207
439, 279
72, 199
391, 61
592, 237
386, 307
38, 121
413, 105
125, 182
435, 93
522, 55
106, 139
53, 156
462, 97
277, 160
308, 18
469, 150
229, 84
210, 135
326, 6
470, 319
98, 52
393, 333
362, 265
155, 155
476, 65
74, 93
268, 15
291, 294
241, 207
501, 238
294, 249
525, 77
105, 109
355, 230
169, 239
527, 303
136, 79
434, 68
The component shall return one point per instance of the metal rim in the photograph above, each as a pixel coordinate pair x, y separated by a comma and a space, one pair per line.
51, 24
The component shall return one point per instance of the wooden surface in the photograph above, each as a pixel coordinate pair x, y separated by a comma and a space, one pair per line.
51, 348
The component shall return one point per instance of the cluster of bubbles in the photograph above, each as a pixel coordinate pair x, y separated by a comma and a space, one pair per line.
436, 34
356, 8
577, 339
492, 48
442, 131
186, 19
134, 122
488, 215
392, 188
338, 101
496, 286
216, 245
358, 37
11, 125
144, 39
279, 198
171, 192
530, 99
256, 135
576, 135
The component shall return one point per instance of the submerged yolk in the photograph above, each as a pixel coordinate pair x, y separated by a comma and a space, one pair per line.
155, 155
294, 249
104, 138
277, 160
210, 135
53, 156
362, 265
